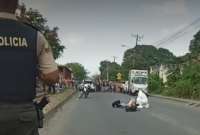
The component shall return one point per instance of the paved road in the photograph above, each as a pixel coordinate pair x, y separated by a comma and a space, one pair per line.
95, 116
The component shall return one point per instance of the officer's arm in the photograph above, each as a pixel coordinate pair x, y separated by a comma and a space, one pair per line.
50, 78
47, 66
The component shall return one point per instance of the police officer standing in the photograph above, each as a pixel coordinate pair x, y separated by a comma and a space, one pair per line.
24, 55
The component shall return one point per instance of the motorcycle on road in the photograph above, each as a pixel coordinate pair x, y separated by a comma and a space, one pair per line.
84, 92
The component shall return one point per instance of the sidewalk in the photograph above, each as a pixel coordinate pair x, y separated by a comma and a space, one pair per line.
194, 103
58, 99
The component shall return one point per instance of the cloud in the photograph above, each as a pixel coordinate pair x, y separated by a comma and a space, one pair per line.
168, 7
41, 5
176, 7
73, 39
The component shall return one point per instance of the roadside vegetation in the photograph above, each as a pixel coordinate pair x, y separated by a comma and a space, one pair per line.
155, 84
184, 81
181, 85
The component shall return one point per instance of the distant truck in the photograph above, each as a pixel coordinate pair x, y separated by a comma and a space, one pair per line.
138, 80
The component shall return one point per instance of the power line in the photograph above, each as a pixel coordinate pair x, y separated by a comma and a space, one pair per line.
177, 34
173, 39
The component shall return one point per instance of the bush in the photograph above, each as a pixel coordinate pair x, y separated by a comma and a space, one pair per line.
173, 77
183, 89
196, 92
155, 84
185, 85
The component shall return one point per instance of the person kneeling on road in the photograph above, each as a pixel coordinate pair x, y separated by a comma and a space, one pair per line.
142, 100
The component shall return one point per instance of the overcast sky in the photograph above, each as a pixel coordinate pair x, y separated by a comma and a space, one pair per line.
94, 30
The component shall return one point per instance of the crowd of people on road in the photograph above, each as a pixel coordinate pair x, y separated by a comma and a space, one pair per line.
111, 86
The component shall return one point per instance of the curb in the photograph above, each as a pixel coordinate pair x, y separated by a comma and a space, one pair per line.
194, 103
60, 104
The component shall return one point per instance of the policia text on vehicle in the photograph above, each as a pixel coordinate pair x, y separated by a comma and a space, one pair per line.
13, 41
24, 55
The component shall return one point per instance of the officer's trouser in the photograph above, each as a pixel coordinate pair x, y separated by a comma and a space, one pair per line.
18, 119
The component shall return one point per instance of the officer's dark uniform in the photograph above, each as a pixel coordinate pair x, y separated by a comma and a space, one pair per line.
18, 57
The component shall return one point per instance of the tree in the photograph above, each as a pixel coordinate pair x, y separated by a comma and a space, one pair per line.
36, 19
155, 84
112, 68
54, 41
104, 69
165, 56
95, 77
78, 70
173, 77
144, 56
195, 45
183, 59
185, 85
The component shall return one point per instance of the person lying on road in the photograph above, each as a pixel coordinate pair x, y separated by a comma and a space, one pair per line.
130, 106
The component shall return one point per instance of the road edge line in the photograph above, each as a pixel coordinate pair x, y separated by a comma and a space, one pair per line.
47, 114
190, 102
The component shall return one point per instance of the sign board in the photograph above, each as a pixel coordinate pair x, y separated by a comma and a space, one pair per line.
139, 73
119, 76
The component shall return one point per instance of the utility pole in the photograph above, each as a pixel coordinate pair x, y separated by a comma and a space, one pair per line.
114, 58
107, 72
138, 38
